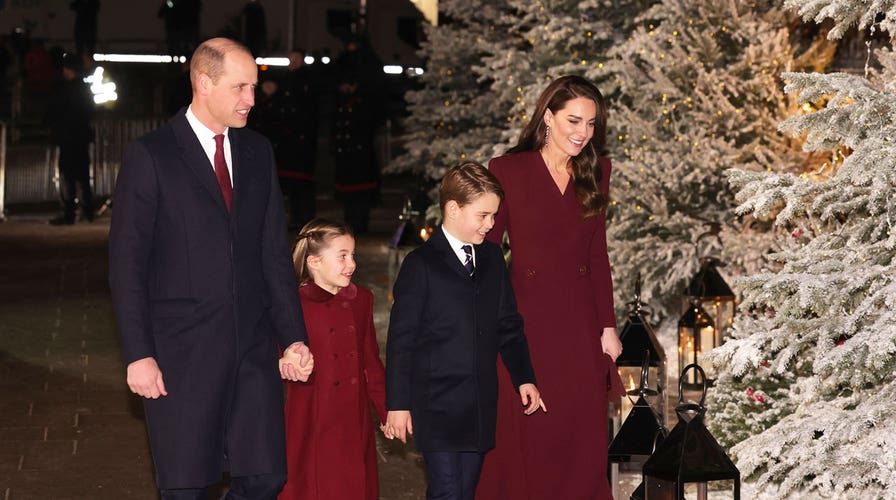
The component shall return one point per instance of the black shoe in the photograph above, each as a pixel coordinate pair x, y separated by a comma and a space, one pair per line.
61, 221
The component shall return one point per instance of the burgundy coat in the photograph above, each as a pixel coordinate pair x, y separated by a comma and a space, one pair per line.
561, 277
330, 448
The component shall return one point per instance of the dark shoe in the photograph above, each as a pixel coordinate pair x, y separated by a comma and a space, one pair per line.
62, 221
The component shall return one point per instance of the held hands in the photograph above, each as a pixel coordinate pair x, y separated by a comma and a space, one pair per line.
531, 399
611, 344
398, 425
145, 379
297, 363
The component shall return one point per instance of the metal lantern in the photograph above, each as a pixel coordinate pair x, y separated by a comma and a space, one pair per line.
696, 335
638, 437
690, 457
638, 337
710, 291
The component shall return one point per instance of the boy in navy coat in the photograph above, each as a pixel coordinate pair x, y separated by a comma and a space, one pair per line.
454, 312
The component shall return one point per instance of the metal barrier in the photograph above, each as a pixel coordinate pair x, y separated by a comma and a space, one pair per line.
29, 173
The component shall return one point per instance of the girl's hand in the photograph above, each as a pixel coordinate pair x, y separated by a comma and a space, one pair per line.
399, 425
610, 342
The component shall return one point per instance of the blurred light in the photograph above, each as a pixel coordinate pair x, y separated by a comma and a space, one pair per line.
309, 59
140, 58
325, 60
272, 61
413, 71
391, 69
103, 91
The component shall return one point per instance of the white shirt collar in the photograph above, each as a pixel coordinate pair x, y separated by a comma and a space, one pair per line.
207, 140
456, 245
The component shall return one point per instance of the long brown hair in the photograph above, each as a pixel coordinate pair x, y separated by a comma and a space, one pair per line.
314, 237
586, 168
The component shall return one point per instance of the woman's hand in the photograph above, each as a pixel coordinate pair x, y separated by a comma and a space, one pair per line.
610, 342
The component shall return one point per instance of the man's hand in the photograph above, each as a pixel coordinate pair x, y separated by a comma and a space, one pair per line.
531, 399
145, 378
399, 425
297, 363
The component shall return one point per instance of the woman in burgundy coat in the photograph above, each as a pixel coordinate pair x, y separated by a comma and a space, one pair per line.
330, 448
554, 211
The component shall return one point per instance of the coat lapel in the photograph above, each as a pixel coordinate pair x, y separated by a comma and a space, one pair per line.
440, 244
243, 158
194, 156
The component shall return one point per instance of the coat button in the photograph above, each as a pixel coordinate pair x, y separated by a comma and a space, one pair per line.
354, 380
332, 330
335, 355
346, 305
350, 329
530, 273
583, 270
336, 383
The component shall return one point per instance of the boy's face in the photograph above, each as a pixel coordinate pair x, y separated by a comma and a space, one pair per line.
471, 222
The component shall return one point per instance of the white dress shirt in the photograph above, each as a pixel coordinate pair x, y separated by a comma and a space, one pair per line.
207, 140
457, 245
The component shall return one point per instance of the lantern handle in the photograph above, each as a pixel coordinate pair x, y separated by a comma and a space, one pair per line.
681, 402
643, 387
713, 231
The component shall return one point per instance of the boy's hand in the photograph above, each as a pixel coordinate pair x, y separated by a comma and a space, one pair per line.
531, 399
297, 363
398, 425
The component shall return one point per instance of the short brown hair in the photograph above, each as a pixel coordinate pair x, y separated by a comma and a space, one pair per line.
466, 182
208, 58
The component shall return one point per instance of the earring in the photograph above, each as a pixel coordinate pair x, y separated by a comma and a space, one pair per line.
547, 133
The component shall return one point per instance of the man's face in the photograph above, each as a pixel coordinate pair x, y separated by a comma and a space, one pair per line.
230, 99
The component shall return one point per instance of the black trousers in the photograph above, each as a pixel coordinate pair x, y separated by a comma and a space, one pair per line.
74, 175
453, 475
259, 487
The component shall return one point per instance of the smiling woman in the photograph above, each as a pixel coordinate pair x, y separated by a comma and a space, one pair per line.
554, 211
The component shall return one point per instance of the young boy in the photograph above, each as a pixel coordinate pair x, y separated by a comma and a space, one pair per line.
454, 312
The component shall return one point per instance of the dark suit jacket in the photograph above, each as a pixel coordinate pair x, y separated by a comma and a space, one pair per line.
445, 334
209, 294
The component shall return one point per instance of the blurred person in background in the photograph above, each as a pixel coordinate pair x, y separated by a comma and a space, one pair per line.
68, 117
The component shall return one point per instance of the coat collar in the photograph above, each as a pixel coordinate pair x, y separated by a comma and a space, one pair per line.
194, 156
440, 244
309, 290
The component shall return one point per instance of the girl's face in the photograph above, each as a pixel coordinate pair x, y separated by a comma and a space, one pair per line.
572, 126
332, 268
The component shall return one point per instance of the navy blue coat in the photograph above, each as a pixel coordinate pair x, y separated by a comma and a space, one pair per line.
209, 294
445, 333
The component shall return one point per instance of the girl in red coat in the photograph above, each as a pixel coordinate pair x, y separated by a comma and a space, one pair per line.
330, 449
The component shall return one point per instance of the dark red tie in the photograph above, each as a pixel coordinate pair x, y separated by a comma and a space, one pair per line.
221, 171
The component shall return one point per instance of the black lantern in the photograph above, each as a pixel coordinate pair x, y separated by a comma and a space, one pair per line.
638, 437
638, 337
710, 291
689, 457
696, 335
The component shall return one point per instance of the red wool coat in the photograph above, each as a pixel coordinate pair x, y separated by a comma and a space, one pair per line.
561, 277
330, 448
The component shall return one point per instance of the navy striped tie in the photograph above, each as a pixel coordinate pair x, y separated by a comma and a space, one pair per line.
468, 262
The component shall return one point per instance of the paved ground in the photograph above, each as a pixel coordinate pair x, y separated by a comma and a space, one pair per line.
69, 427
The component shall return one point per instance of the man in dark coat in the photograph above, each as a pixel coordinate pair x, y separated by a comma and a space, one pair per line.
86, 12
68, 116
298, 155
204, 289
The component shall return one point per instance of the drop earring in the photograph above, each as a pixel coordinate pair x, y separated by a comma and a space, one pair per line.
547, 133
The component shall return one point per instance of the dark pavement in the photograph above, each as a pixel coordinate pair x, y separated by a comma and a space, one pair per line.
69, 427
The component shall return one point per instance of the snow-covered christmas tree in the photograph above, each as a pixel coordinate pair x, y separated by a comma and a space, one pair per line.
487, 63
695, 91
806, 386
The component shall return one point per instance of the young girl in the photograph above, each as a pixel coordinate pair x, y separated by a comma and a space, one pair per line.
330, 447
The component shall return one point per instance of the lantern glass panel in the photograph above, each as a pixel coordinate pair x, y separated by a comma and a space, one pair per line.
659, 489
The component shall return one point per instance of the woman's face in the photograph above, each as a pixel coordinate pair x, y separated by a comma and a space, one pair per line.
572, 126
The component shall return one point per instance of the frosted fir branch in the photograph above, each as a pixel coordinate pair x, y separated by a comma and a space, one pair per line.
838, 447
846, 14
